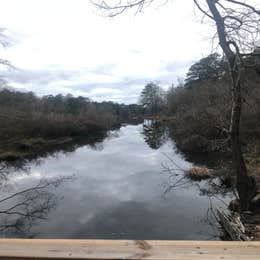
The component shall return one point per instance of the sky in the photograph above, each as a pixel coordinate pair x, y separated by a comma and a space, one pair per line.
67, 46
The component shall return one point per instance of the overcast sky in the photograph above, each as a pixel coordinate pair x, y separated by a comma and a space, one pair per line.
65, 46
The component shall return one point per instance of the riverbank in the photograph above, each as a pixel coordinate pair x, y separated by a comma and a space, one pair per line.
104, 177
223, 171
17, 149
30, 148
197, 148
34, 147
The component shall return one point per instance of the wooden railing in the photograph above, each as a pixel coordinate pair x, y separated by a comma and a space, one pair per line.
127, 249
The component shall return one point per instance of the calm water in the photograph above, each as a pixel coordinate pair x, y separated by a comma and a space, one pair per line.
117, 188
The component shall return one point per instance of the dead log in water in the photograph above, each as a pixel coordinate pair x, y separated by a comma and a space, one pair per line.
233, 226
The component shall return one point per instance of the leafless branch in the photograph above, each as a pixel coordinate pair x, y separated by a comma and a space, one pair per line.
121, 6
23, 207
245, 5
206, 13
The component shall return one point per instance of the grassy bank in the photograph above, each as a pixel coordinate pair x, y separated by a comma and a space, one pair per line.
32, 137
16, 149
34, 147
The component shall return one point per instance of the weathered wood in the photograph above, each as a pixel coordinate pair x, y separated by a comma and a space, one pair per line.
40, 249
233, 226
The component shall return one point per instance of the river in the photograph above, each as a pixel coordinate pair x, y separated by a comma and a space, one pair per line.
116, 189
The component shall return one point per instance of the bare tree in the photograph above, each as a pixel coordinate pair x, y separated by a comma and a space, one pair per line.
237, 23
234, 27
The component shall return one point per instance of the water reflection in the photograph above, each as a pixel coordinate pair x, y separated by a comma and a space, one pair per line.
7, 168
117, 193
155, 134
40, 148
21, 208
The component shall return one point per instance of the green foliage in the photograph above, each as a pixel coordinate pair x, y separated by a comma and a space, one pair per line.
152, 98
210, 67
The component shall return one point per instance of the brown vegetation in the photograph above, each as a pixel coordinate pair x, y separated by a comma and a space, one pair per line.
30, 124
199, 173
201, 114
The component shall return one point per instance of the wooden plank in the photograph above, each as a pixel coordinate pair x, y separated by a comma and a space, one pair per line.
42, 249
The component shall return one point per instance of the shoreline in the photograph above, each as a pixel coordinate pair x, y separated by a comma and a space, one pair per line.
20, 149
30, 148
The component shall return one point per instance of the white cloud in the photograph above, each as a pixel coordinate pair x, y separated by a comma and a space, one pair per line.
68, 36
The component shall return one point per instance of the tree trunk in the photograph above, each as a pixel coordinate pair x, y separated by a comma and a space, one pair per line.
244, 183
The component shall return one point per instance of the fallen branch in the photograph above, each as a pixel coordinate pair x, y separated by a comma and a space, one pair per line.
233, 226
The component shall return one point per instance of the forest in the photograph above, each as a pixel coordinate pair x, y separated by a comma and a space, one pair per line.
199, 108
29, 122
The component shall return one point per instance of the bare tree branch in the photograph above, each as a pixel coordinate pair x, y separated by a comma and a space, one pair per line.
121, 6
19, 210
245, 5
202, 10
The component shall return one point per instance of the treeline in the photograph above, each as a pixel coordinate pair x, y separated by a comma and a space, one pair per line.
26, 115
200, 105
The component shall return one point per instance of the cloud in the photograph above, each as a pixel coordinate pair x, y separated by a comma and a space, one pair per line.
98, 83
40, 77
76, 51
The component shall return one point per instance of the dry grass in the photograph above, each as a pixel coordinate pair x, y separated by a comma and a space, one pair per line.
199, 173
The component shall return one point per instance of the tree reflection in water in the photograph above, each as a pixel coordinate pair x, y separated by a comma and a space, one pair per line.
212, 188
20, 210
155, 134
